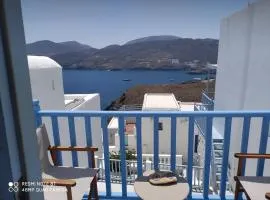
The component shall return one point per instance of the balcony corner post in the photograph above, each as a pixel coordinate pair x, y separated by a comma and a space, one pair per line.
36, 108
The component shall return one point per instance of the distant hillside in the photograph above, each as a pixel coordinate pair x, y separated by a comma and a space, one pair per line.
153, 38
186, 92
48, 48
155, 52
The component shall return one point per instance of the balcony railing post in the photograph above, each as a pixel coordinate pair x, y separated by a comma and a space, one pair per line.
36, 108
245, 137
123, 155
88, 134
173, 143
139, 144
263, 145
207, 156
106, 156
156, 143
73, 142
190, 153
225, 159
56, 137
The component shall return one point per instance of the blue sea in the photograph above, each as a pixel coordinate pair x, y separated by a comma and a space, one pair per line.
111, 84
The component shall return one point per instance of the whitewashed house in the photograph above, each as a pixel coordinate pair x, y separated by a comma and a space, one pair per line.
156, 102
243, 76
162, 102
46, 82
47, 87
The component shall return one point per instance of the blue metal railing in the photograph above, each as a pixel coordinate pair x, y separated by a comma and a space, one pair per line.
207, 104
174, 115
200, 121
225, 159
190, 153
207, 101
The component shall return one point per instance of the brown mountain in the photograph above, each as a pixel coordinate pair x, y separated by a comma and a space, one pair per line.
139, 54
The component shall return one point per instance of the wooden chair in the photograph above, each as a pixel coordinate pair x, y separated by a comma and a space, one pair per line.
75, 180
254, 187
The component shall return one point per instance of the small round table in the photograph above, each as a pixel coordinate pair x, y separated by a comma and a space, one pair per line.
146, 191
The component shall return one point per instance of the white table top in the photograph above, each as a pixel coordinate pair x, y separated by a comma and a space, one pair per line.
145, 190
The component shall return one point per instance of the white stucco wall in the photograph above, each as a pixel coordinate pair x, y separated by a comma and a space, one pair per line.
165, 136
92, 103
47, 87
164, 102
46, 82
112, 130
147, 136
132, 142
243, 72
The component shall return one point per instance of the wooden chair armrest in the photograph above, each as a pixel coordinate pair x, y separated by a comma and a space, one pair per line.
267, 195
54, 149
75, 148
252, 155
59, 182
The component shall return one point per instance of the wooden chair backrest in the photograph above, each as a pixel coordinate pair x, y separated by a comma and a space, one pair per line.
44, 143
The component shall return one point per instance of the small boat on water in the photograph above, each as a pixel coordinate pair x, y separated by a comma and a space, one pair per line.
126, 80
171, 79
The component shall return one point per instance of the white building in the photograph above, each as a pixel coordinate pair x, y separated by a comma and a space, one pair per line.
162, 102
243, 75
175, 61
46, 82
155, 102
47, 87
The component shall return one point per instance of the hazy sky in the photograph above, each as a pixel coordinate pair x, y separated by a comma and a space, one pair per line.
104, 22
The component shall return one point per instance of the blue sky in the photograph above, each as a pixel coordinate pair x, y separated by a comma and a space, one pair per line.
104, 22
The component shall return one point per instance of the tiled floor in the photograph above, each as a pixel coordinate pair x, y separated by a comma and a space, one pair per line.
116, 189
